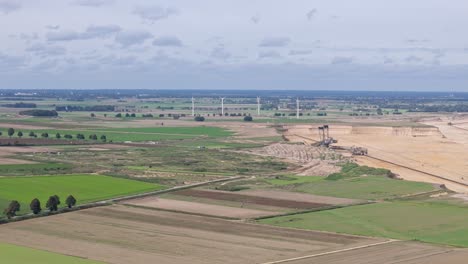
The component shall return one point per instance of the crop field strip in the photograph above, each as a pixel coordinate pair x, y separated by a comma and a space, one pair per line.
227, 196
135, 233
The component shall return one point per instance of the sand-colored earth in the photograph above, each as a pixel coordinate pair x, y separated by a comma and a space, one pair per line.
120, 234
199, 208
426, 149
313, 161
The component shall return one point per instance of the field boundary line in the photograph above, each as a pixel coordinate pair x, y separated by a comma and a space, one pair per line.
331, 252
420, 171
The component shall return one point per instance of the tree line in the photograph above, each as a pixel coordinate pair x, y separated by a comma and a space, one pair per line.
52, 204
11, 132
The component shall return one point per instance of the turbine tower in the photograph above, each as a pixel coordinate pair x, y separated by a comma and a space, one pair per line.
258, 105
193, 106
222, 105
297, 108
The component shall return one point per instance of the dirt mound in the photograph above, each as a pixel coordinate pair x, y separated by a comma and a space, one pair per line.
314, 161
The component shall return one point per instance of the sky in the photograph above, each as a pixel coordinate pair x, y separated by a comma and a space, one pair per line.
398, 45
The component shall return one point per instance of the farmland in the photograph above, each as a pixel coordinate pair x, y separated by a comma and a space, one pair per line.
440, 223
16, 254
86, 188
271, 175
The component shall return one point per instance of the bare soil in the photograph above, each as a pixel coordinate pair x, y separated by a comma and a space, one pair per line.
200, 208
313, 161
396, 252
300, 197
441, 149
120, 234
248, 198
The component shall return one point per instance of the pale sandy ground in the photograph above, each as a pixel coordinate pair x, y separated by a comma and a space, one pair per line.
426, 149
313, 161
199, 208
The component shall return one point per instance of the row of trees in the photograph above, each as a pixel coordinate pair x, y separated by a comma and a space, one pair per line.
11, 132
52, 204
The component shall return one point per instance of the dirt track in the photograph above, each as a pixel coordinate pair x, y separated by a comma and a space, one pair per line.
119, 234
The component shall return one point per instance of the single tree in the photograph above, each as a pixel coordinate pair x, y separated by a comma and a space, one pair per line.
104, 138
12, 208
52, 203
80, 136
1, 133
67, 136
133, 115
127, 115
11, 132
45, 135
35, 206
71, 201
118, 115
248, 119
93, 115
20, 134
58, 136
199, 118
32, 134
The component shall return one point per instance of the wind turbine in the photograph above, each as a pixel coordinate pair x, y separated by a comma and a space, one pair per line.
258, 105
222, 105
193, 106
297, 108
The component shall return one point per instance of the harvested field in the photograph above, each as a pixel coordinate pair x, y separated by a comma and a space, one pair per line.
248, 198
199, 208
396, 252
119, 234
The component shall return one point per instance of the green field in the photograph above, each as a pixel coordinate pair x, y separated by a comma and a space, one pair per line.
290, 180
85, 188
17, 254
135, 134
441, 223
363, 187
